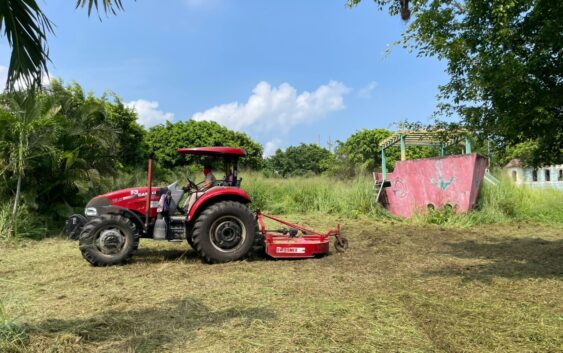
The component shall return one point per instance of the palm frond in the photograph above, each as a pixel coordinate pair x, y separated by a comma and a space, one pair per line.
26, 28
109, 6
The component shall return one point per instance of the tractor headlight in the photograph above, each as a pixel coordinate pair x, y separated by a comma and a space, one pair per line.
91, 211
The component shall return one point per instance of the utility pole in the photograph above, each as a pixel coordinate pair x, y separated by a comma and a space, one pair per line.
329, 143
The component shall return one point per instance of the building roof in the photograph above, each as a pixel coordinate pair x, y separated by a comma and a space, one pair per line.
419, 138
514, 163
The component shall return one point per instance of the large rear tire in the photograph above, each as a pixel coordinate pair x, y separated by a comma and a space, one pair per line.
224, 232
108, 240
190, 241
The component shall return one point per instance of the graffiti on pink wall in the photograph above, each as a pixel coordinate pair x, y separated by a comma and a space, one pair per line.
419, 184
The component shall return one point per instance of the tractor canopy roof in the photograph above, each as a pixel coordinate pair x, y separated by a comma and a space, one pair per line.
213, 151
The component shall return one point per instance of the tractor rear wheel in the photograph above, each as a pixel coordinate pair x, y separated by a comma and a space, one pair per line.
224, 232
190, 241
108, 240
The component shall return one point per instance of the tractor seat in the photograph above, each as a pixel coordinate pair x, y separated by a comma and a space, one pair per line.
225, 182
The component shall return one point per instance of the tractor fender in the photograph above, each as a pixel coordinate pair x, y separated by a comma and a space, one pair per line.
216, 195
122, 211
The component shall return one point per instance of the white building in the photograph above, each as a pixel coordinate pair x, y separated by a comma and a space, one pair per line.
542, 177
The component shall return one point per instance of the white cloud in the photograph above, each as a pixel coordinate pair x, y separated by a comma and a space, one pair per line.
366, 91
45, 79
3, 77
270, 147
148, 114
278, 108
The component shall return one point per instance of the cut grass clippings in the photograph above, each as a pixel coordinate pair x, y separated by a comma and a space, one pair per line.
399, 288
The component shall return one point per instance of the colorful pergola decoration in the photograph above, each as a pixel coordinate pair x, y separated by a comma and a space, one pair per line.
418, 138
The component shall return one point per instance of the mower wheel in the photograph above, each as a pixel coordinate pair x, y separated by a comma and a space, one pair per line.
108, 240
224, 232
341, 245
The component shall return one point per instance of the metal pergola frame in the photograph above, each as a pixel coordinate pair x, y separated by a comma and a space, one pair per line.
416, 138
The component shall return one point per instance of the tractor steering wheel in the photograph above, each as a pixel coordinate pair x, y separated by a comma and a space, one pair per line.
192, 185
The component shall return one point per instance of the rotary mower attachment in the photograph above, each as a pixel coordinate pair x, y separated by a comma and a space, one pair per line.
288, 243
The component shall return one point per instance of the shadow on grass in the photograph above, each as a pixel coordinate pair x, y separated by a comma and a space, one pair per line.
515, 258
147, 330
156, 255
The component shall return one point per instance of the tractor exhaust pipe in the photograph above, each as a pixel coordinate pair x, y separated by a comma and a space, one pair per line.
149, 195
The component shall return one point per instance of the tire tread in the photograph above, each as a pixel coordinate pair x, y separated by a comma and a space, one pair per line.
199, 231
90, 229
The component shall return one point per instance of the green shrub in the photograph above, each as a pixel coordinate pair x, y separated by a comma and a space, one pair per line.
27, 224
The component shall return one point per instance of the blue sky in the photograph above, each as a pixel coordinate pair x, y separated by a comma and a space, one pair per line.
284, 72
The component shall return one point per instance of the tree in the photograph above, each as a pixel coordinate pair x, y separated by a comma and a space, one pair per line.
524, 151
300, 160
361, 153
395, 7
107, 110
362, 148
131, 146
26, 28
30, 120
163, 140
56, 145
504, 59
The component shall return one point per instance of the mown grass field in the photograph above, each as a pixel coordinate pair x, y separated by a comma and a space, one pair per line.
399, 288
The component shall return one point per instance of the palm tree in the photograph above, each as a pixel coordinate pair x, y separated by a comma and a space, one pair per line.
26, 27
30, 117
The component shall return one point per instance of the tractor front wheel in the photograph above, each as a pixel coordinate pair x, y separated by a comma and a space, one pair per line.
108, 240
224, 232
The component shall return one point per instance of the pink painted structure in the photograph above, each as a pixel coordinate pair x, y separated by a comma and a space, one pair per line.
419, 184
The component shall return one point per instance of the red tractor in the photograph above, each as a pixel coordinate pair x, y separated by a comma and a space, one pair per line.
218, 225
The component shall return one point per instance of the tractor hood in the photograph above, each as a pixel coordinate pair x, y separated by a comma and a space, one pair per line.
133, 199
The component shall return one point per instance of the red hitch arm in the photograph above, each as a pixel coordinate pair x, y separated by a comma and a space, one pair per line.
259, 215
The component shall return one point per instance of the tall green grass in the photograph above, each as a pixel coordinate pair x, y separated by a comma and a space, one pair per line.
504, 203
319, 194
350, 198
26, 225
315, 194
356, 198
508, 201
12, 336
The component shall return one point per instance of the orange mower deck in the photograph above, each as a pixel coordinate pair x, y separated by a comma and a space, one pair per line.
287, 243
